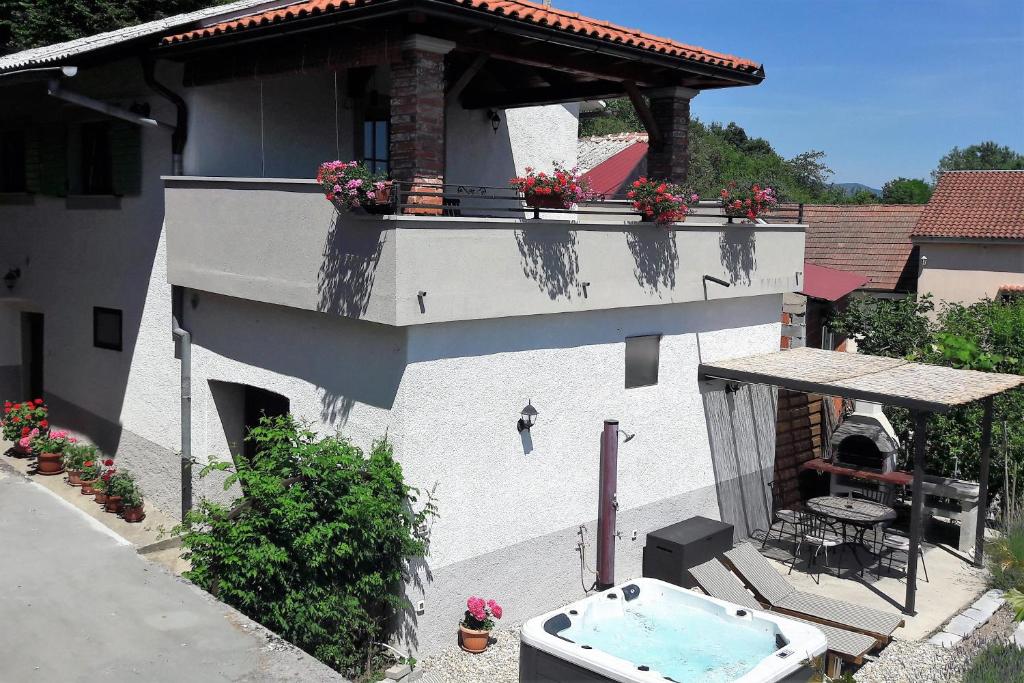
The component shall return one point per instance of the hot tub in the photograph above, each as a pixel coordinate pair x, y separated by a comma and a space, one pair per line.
648, 630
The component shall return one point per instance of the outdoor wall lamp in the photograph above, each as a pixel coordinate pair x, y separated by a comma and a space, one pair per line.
11, 278
528, 417
495, 120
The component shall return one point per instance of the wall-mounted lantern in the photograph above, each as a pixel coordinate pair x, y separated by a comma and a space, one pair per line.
494, 119
11, 278
528, 417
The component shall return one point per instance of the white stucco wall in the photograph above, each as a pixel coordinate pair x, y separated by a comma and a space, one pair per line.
467, 382
530, 136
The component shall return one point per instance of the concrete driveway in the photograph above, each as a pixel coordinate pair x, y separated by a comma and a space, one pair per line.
77, 603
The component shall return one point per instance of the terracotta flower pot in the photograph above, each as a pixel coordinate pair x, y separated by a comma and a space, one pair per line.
113, 504
472, 640
545, 201
49, 464
87, 489
382, 205
135, 514
101, 497
74, 478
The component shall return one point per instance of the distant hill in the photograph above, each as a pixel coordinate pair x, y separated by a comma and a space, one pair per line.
853, 188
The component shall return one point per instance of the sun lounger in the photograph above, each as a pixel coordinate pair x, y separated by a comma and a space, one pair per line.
716, 580
771, 587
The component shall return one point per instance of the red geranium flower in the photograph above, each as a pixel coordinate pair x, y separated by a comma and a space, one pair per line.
108, 462
39, 401
43, 424
25, 431
88, 463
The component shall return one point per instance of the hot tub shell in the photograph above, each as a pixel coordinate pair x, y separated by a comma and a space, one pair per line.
546, 657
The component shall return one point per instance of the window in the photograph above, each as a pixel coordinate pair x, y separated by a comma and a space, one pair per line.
375, 145
106, 328
12, 161
97, 167
642, 360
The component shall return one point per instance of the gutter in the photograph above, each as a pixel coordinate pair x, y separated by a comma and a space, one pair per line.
180, 135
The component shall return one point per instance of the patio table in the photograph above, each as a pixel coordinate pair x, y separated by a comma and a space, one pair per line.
855, 512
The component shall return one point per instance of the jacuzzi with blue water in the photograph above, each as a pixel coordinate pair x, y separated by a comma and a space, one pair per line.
650, 631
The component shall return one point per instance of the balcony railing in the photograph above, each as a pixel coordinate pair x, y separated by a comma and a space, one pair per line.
486, 201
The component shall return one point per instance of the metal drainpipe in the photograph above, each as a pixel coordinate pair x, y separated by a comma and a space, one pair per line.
607, 505
180, 135
185, 337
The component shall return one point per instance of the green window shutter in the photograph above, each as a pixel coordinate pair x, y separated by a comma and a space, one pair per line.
52, 155
32, 160
126, 157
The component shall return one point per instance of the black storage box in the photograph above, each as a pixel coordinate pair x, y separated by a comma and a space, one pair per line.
670, 552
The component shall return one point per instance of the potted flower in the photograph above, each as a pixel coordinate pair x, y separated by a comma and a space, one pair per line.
20, 419
475, 629
121, 483
659, 201
558, 190
748, 203
102, 485
75, 456
352, 185
131, 505
49, 448
90, 474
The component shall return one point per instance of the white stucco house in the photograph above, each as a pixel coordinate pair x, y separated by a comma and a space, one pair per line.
159, 178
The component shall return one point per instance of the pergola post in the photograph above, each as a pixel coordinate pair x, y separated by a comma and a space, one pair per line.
986, 452
916, 508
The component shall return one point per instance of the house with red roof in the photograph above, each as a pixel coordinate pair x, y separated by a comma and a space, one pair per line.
173, 271
971, 237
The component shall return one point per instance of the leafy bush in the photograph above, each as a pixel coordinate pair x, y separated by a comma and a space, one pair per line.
316, 548
998, 663
1006, 557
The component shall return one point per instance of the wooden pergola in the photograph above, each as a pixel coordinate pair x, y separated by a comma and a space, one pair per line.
923, 389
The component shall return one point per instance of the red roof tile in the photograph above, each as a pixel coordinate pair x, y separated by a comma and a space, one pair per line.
1011, 289
528, 12
872, 240
610, 176
975, 205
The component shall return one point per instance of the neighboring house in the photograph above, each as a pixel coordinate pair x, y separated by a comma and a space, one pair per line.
611, 162
971, 237
167, 184
870, 239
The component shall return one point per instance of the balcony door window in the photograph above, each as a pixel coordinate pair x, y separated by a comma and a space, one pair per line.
97, 168
375, 144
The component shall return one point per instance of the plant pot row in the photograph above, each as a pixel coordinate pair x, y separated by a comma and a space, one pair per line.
110, 504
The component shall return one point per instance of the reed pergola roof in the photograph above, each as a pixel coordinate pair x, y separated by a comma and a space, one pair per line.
892, 381
925, 389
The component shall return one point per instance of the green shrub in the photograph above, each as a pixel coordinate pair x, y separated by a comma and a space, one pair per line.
316, 548
998, 663
1006, 557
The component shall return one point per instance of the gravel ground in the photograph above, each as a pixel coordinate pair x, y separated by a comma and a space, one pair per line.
499, 663
921, 662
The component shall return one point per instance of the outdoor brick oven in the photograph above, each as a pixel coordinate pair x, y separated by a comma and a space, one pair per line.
864, 441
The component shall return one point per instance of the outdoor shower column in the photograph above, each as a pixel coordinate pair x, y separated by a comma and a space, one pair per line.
986, 452
668, 155
418, 121
916, 508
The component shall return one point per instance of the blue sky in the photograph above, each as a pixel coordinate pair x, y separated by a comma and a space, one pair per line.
884, 87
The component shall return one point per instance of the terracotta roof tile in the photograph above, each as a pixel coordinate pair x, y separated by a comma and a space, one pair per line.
871, 239
522, 10
975, 205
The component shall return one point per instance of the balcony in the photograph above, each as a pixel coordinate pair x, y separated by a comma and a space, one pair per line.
279, 241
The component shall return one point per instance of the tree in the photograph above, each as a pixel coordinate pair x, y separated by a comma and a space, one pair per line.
906, 191
30, 23
618, 116
986, 156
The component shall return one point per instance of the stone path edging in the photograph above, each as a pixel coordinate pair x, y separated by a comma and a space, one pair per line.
965, 623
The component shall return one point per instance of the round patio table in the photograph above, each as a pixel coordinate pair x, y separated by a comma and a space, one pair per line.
856, 512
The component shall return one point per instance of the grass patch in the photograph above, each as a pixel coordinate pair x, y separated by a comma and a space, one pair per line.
998, 663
